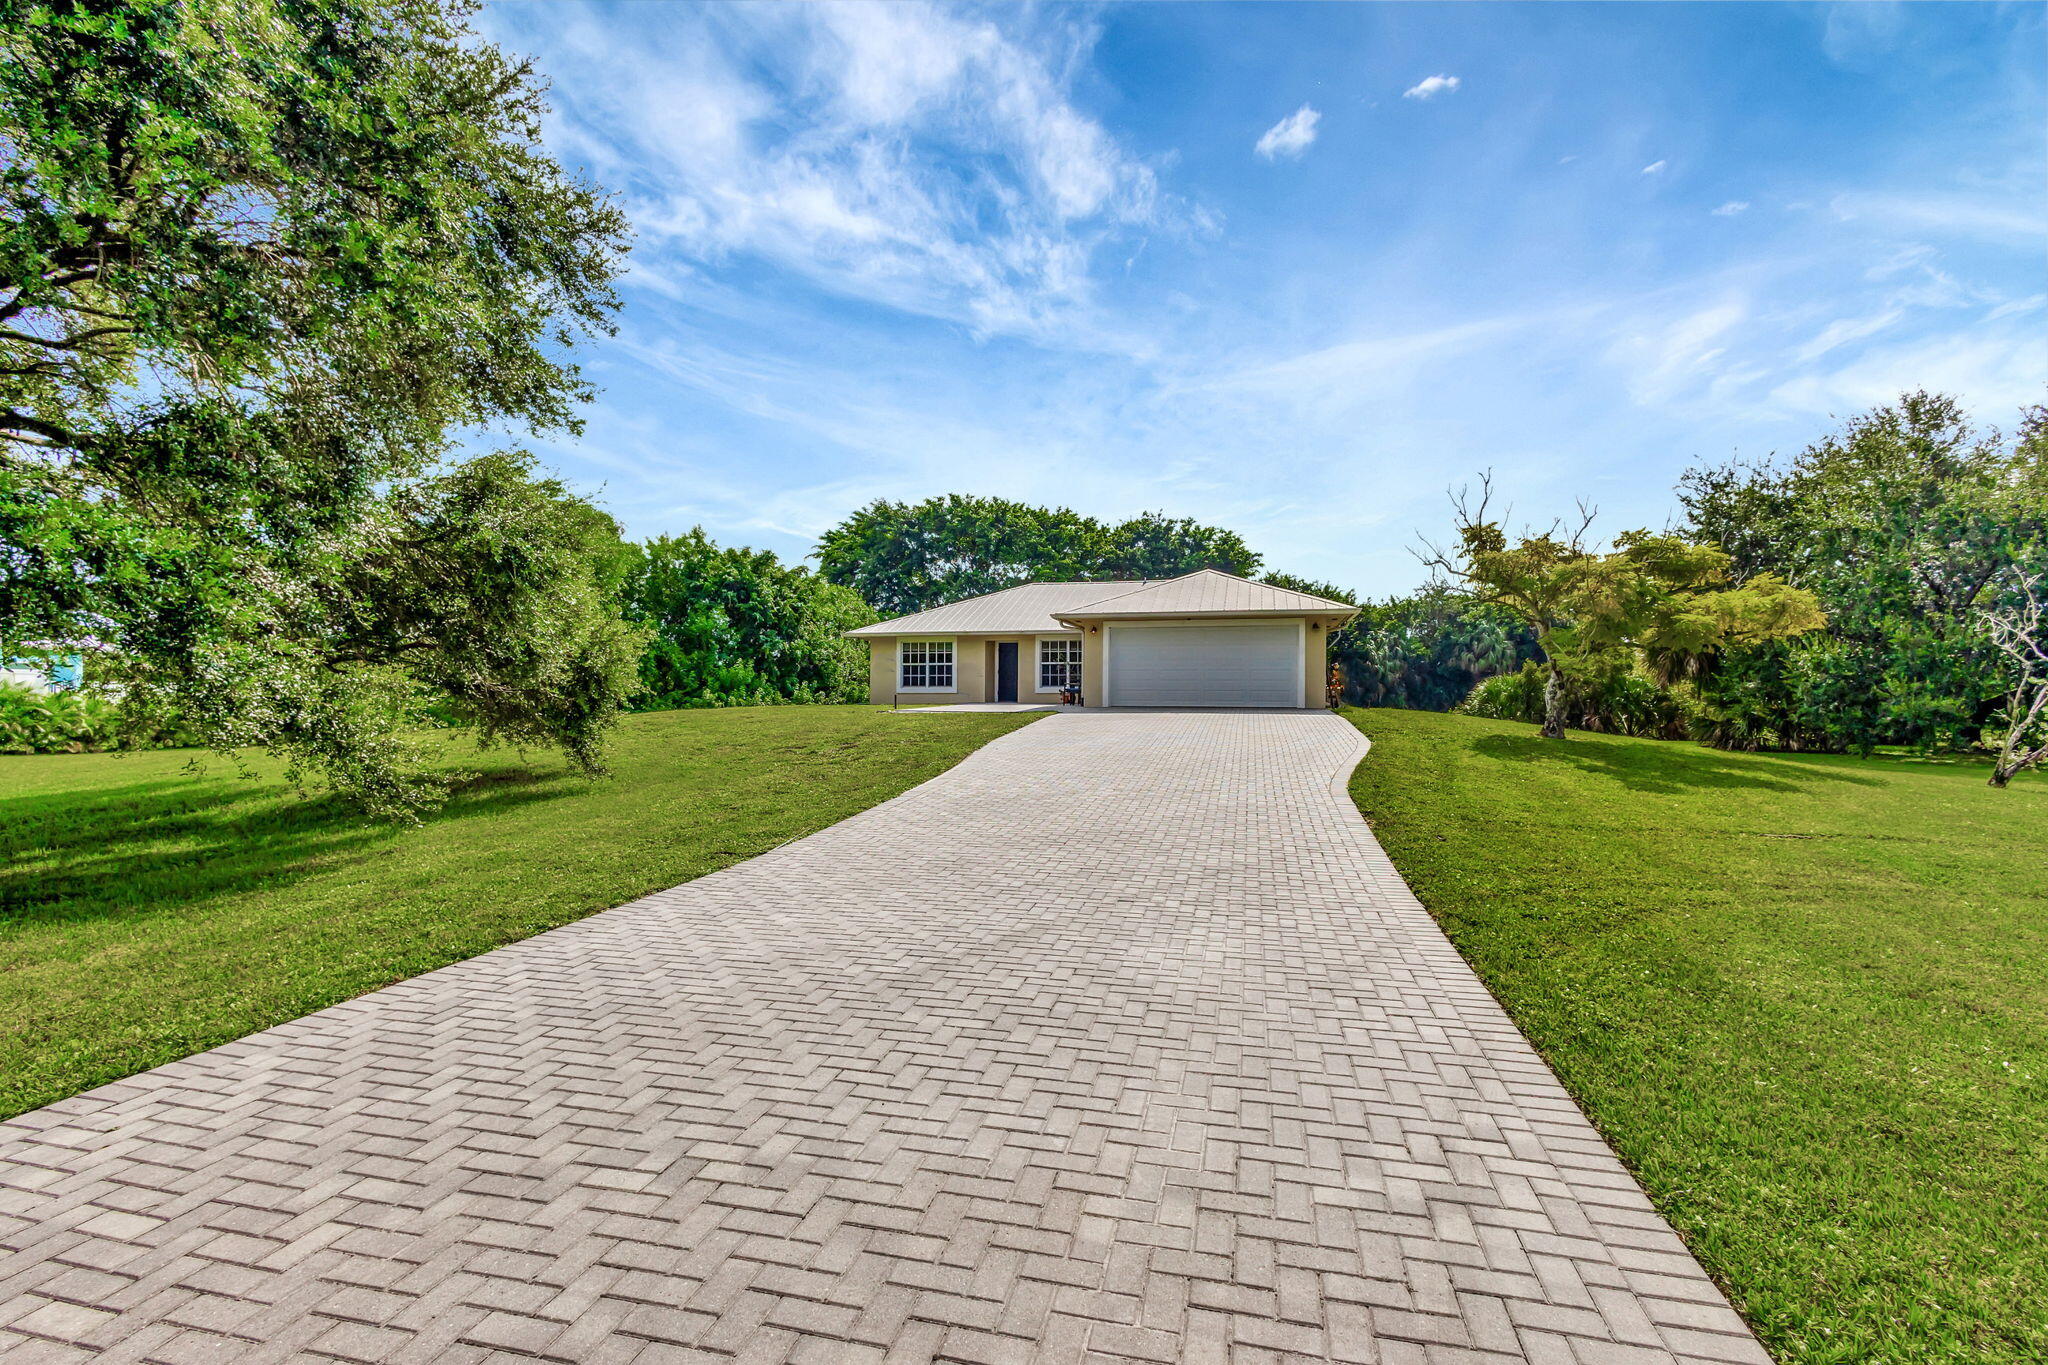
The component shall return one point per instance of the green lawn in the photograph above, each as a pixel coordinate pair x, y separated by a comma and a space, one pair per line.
147, 913
1806, 997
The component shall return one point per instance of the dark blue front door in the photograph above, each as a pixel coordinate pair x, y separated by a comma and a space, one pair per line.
1006, 672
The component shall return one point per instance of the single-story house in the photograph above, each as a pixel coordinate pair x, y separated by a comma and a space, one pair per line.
1203, 639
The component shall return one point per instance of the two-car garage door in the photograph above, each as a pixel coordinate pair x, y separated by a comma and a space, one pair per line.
1248, 664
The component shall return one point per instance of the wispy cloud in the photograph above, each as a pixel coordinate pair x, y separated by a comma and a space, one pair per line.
1669, 358
1291, 136
1430, 87
1843, 331
2018, 218
905, 155
906, 249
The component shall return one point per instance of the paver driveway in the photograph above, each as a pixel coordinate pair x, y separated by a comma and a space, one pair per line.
1121, 1040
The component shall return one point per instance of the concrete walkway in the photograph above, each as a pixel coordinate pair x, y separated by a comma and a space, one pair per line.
1120, 1041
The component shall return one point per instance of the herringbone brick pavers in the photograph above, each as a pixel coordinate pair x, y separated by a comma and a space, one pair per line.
1121, 1041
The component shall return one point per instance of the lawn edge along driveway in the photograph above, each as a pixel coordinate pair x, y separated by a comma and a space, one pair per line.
1121, 1038
147, 913
1801, 993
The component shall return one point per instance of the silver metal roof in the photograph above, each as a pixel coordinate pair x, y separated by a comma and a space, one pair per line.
1044, 608
1024, 610
1208, 592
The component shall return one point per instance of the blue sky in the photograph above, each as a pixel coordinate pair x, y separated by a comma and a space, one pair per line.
1291, 269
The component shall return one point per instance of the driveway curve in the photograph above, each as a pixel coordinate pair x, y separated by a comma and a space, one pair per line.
1121, 1040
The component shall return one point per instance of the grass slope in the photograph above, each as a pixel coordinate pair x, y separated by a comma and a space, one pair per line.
1806, 997
146, 914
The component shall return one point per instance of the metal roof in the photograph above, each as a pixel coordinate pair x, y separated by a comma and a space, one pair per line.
1044, 608
1207, 592
1027, 609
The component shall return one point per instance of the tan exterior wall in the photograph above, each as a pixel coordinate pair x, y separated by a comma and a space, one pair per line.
1091, 665
1315, 661
974, 670
974, 667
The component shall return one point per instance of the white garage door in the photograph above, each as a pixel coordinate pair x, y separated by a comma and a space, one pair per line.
1213, 665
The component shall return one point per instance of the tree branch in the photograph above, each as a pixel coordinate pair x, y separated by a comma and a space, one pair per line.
66, 343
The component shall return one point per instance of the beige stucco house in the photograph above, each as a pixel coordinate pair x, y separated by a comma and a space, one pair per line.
1203, 639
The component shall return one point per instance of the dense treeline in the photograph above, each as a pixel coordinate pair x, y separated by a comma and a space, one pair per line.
1842, 599
1426, 652
1920, 541
737, 627
906, 557
1914, 530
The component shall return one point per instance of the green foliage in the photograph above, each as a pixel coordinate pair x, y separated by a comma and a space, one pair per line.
739, 628
1294, 583
1614, 696
906, 557
37, 722
1592, 612
1426, 651
75, 721
1906, 526
258, 259
1801, 995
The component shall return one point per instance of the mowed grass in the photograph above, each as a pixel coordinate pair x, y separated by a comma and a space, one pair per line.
1806, 997
147, 913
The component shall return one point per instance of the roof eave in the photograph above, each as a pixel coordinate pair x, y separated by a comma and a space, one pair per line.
870, 633
1278, 613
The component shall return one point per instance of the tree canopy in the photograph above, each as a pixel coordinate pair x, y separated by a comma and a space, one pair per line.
1427, 651
906, 557
1661, 595
260, 261
737, 627
1908, 526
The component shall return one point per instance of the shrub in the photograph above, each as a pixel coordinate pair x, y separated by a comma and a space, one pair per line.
33, 722
1620, 700
65, 722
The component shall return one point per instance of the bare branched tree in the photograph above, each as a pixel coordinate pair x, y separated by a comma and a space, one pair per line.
1535, 581
2019, 627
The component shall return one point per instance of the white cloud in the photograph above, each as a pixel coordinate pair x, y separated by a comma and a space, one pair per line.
1291, 136
1655, 167
1431, 87
1843, 331
1996, 370
1731, 208
2018, 218
1668, 357
1352, 372
905, 155
2031, 304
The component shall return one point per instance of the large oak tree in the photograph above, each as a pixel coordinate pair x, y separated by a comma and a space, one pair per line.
262, 262
906, 557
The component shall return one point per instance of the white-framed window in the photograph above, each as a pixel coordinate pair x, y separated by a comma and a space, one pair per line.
1059, 662
924, 665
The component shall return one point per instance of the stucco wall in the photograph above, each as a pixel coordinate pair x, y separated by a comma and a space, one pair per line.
974, 675
973, 670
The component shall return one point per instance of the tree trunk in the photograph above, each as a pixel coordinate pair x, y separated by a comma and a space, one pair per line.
1553, 705
2010, 764
2011, 758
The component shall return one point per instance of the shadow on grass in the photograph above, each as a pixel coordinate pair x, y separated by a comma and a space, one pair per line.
77, 856
1666, 767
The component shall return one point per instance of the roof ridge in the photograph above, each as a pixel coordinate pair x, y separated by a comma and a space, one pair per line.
1284, 599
